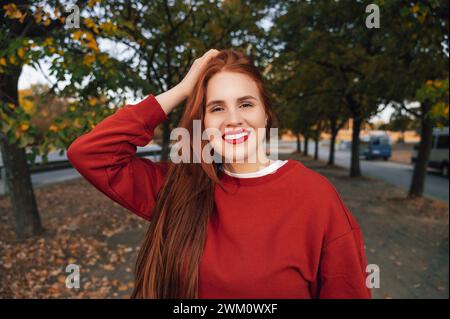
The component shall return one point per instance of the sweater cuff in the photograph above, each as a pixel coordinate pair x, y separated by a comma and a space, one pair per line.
150, 112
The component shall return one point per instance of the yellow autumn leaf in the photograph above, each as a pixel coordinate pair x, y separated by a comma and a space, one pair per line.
122, 288
24, 126
93, 46
20, 52
77, 34
25, 101
77, 123
48, 41
92, 3
22, 18
3, 61
11, 106
53, 128
108, 27
415, 8
11, 11
90, 23
92, 101
12, 59
88, 59
89, 36
18, 133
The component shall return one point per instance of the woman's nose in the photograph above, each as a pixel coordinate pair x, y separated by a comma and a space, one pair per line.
234, 118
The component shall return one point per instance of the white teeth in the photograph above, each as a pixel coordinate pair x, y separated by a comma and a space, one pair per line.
236, 136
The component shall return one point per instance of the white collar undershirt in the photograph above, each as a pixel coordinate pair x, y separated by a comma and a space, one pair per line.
264, 171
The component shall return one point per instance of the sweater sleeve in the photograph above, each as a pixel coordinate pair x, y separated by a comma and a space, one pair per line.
342, 269
342, 266
106, 156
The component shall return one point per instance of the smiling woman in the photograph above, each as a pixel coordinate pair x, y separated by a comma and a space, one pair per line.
283, 232
238, 110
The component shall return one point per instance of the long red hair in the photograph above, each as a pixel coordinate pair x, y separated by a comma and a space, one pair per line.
168, 261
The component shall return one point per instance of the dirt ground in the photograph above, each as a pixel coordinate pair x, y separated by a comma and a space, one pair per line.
407, 239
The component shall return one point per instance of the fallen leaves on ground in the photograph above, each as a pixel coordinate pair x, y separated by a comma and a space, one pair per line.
95, 233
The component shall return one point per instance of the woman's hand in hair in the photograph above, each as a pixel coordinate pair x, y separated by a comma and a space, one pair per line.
196, 69
173, 97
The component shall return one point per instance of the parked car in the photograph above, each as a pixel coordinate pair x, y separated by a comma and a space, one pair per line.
439, 151
376, 146
343, 145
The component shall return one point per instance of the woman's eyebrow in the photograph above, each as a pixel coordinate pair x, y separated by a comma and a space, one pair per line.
242, 98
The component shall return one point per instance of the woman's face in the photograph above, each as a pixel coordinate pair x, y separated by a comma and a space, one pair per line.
234, 108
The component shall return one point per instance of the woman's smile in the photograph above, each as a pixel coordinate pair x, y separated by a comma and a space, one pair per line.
236, 137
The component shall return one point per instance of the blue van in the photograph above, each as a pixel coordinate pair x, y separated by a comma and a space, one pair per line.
376, 146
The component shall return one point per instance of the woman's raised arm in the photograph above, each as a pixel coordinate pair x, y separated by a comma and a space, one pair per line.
106, 156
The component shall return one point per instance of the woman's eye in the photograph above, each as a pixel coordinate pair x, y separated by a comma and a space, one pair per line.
216, 109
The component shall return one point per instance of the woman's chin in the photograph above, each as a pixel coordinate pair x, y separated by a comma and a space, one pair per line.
237, 158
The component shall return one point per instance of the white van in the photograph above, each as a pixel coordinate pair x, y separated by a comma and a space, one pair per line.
439, 151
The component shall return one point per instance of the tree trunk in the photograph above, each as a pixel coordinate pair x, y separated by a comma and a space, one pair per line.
305, 145
299, 148
402, 137
355, 168
18, 178
316, 145
20, 190
334, 132
420, 167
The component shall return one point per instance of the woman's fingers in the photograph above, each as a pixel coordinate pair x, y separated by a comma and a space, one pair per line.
196, 68
210, 53
200, 62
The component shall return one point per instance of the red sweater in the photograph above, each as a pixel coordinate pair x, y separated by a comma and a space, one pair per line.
281, 235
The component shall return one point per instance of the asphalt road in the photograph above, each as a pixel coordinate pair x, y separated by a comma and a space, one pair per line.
397, 174
394, 173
